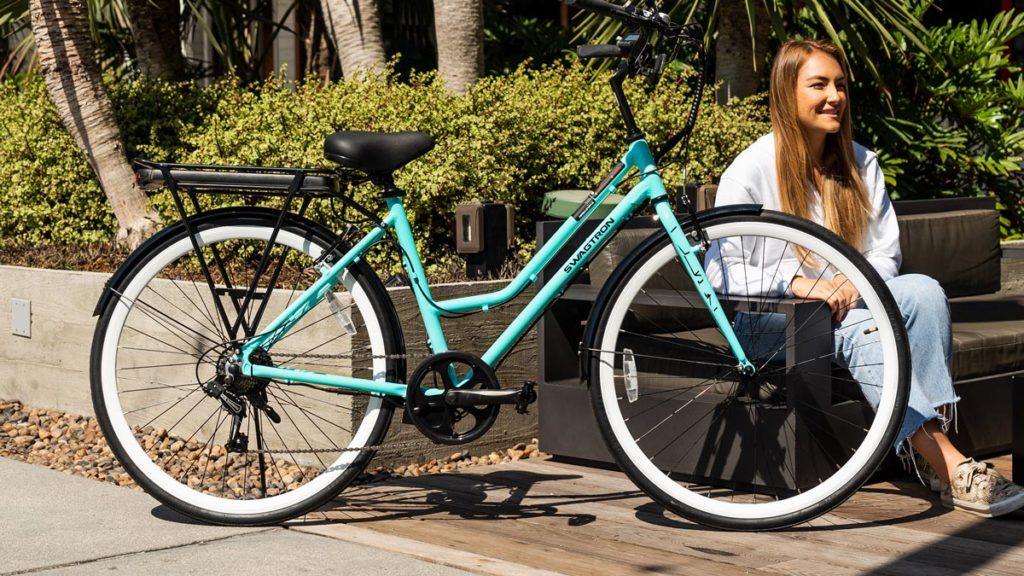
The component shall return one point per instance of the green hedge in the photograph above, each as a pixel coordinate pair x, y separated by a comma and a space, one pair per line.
511, 139
49, 191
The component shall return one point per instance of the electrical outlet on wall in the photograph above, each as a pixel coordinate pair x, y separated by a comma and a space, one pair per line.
21, 317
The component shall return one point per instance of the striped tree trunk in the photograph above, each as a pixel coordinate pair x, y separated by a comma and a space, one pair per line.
156, 28
354, 26
459, 26
67, 58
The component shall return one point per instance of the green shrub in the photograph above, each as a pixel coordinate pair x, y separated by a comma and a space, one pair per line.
950, 124
511, 139
50, 193
153, 115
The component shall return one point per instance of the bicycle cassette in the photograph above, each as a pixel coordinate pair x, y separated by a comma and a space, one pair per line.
443, 417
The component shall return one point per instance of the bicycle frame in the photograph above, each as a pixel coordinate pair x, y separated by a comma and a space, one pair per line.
650, 188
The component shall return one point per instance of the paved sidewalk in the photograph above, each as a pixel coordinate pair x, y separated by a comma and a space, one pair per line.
54, 523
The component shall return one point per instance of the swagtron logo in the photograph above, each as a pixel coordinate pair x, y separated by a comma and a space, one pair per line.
605, 226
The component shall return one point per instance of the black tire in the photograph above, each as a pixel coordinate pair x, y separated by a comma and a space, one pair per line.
168, 334
720, 449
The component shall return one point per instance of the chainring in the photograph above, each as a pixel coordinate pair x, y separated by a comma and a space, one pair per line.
425, 404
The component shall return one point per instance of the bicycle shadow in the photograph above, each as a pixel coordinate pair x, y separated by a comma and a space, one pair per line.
518, 494
497, 495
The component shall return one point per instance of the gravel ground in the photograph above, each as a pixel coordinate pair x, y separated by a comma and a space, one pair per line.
75, 445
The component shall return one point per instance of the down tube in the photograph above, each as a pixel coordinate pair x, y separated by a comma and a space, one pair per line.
554, 287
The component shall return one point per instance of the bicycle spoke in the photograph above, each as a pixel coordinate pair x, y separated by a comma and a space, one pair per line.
299, 430
718, 433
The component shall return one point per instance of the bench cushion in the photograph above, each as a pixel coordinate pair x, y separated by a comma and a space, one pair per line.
988, 335
959, 248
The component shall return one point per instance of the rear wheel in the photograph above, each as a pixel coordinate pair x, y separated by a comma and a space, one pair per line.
739, 452
242, 451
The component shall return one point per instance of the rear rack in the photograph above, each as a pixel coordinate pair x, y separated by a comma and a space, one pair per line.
312, 182
297, 186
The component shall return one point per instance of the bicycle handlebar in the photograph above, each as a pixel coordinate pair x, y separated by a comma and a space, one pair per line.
640, 60
629, 14
600, 51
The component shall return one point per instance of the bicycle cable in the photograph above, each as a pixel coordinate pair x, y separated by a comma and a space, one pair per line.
414, 282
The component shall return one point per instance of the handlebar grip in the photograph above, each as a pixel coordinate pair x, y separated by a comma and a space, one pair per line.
599, 51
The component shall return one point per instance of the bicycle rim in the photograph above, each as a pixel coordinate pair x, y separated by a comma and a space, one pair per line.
163, 342
748, 453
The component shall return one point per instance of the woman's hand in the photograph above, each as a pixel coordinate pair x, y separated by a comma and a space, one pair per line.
838, 293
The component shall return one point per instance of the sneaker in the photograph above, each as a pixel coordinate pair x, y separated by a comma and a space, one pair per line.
977, 488
927, 474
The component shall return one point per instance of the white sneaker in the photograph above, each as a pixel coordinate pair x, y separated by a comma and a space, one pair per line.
977, 488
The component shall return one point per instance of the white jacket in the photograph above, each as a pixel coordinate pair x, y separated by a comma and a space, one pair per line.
767, 267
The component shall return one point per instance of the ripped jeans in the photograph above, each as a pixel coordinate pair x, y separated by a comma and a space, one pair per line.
925, 311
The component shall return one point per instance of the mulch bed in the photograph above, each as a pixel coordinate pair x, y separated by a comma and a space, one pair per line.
97, 257
75, 445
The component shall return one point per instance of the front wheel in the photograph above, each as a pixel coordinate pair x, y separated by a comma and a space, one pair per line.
240, 450
727, 449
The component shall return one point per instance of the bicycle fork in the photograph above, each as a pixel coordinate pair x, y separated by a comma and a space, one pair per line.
687, 253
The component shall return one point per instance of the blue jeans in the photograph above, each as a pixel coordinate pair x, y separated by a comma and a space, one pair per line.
925, 311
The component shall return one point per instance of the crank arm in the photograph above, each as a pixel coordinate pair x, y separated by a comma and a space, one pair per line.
466, 398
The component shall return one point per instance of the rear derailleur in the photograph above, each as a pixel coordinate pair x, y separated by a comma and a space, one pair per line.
236, 392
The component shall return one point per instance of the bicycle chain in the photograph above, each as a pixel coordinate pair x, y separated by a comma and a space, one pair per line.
350, 356
376, 447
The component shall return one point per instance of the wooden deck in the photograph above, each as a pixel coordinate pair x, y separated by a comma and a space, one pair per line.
542, 517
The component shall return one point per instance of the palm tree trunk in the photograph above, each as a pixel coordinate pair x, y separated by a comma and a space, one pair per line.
67, 58
459, 26
316, 53
156, 27
355, 27
737, 62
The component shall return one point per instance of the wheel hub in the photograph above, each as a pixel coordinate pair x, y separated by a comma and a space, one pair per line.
229, 371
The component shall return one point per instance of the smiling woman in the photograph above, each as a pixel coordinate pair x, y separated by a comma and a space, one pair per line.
820, 99
810, 166
812, 122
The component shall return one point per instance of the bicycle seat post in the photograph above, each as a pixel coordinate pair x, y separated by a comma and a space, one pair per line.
386, 181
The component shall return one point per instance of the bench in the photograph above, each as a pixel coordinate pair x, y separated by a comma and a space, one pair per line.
956, 241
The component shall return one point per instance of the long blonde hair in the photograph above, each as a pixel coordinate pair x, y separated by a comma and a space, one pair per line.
844, 198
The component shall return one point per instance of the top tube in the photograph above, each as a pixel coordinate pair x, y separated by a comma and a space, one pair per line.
637, 156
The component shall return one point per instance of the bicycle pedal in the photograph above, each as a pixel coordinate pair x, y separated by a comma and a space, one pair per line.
527, 396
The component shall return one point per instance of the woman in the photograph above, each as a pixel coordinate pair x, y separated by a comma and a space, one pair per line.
809, 166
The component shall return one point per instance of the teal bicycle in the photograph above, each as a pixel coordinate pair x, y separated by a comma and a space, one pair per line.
247, 362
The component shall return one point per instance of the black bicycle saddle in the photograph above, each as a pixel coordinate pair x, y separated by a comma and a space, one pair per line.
376, 152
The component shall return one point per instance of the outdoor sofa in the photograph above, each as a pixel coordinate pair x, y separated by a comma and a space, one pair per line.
955, 241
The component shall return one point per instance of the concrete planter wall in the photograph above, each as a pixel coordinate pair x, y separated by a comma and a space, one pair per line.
50, 369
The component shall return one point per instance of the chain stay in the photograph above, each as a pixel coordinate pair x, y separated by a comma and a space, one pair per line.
407, 444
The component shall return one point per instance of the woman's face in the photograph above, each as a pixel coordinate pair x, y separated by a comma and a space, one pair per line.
820, 94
